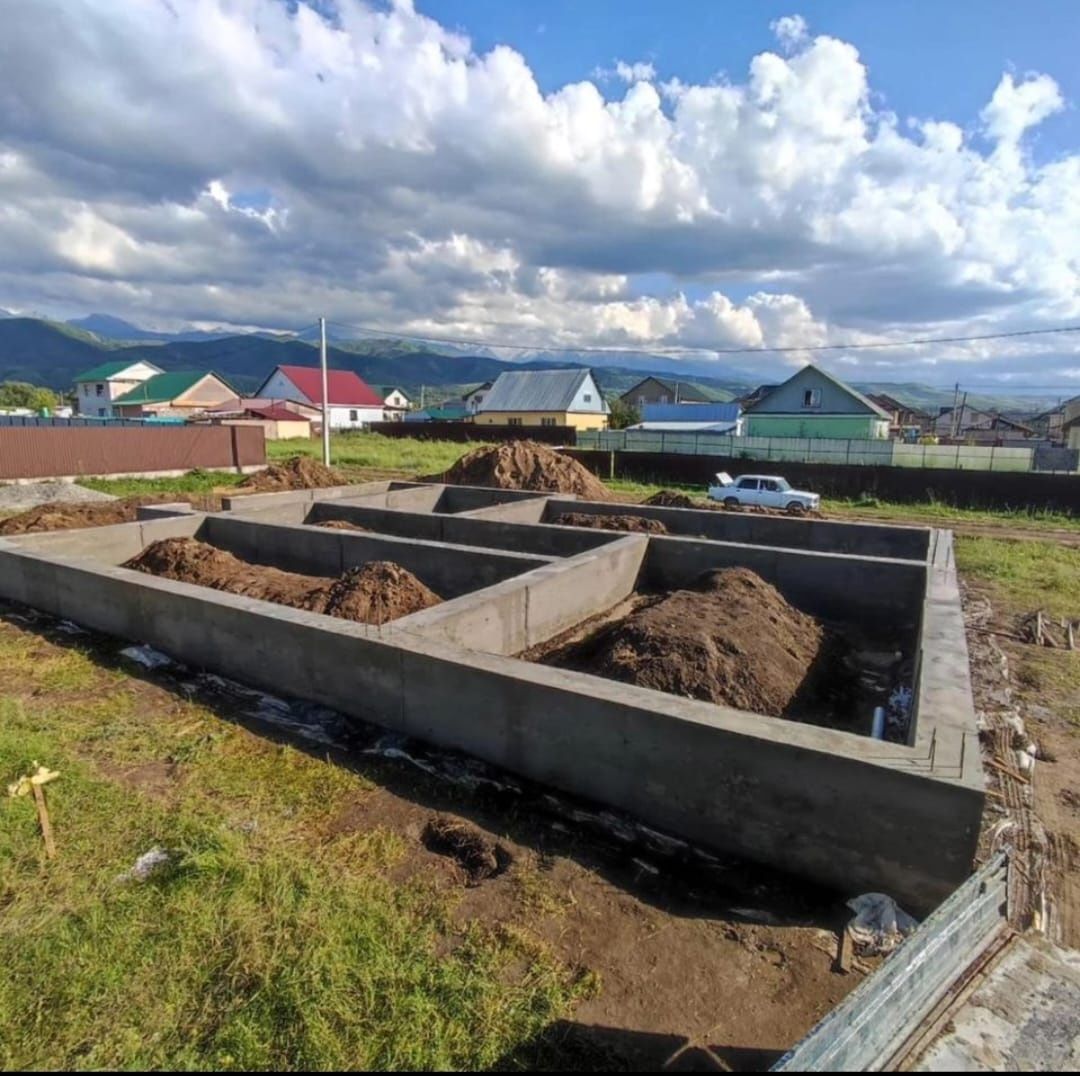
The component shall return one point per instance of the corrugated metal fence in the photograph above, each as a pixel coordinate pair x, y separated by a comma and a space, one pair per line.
77, 451
878, 453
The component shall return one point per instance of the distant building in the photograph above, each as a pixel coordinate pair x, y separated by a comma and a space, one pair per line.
545, 398
280, 419
353, 404
474, 398
98, 388
449, 411
904, 421
395, 402
723, 418
1055, 424
174, 395
656, 390
813, 403
980, 427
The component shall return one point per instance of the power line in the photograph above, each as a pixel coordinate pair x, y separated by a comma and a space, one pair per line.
507, 346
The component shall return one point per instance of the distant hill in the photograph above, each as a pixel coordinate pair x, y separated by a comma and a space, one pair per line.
108, 327
52, 353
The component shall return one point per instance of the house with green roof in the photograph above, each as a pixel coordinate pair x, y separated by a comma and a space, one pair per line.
97, 389
178, 394
813, 403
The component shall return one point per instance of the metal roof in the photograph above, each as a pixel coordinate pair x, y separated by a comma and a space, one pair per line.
539, 390
110, 369
164, 388
686, 427
691, 412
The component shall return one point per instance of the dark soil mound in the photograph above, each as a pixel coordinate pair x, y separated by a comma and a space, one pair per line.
374, 593
478, 857
668, 498
63, 517
611, 523
342, 525
732, 640
526, 465
299, 472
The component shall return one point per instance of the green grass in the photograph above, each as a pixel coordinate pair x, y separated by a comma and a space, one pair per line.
192, 482
373, 451
1028, 574
271, 941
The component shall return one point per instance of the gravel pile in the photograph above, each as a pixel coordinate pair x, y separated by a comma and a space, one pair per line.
19, 497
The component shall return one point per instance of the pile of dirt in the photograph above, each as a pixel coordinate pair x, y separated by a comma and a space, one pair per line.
374, 593
298, 472
611, 523
732, 640
669, 498
342, 525
478, 857
61, 516
526, 465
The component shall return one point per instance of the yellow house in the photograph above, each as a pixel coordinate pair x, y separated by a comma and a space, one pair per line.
545, 398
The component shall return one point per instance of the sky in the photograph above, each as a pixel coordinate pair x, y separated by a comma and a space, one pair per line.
679, 177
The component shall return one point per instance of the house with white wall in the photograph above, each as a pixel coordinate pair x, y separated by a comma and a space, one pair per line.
352, 403
98, 388
396, 402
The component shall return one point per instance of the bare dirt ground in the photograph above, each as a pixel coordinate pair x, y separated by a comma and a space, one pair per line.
62, 516
374, 593
638, 524
299, 472
705, 964
1031, 749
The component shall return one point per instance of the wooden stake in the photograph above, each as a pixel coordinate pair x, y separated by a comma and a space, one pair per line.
43, 818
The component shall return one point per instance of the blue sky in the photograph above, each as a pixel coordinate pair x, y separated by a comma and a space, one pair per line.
650, 177
939, 58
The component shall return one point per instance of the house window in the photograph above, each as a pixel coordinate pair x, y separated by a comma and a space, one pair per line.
811, 398
663, 399
101, 412
547, 422
352, 416
588, 397
100, 389
641, 401
513, 422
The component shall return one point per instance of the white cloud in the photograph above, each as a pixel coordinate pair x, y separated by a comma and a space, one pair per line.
790, 30
235, 160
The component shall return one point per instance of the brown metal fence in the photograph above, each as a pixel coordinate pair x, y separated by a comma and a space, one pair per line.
72, 452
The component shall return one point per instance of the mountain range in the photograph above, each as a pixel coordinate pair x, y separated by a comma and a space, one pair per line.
53, 353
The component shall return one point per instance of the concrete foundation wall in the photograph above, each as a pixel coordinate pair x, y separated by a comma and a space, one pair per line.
449, 570
879, 594
820, 535
533, 608
470, 498
837, 808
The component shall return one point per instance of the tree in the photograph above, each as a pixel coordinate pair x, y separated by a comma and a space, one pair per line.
622, 415
21, 394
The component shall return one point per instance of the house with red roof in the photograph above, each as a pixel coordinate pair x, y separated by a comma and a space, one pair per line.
352, 402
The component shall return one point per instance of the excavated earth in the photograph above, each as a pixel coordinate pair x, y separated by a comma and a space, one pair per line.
298, 472
63, 516
373, 593
731, 639
610, 523
525, 465
669, 498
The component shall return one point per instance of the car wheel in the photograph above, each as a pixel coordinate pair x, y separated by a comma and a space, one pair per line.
795, 508
731, 502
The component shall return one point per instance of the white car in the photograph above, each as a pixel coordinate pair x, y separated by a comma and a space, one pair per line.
762, 491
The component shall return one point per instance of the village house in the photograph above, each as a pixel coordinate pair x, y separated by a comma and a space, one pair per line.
396, 402
656, 390
97, 389
352, 403
180, 394
813, 403
473, 399
545, 398
974, 426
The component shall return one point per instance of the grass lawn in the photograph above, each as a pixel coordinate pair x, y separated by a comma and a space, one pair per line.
272, 940
352, 452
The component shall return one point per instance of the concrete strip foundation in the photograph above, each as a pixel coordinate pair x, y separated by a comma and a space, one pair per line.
841, 809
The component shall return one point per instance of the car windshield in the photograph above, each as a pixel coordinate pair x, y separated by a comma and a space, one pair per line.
782, 485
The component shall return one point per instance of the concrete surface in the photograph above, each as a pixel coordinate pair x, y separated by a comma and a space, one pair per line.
835, 807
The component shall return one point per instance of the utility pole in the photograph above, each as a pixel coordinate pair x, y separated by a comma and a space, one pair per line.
955, 424
325, 394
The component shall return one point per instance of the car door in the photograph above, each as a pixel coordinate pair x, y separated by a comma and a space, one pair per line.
747, 490
770, 495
